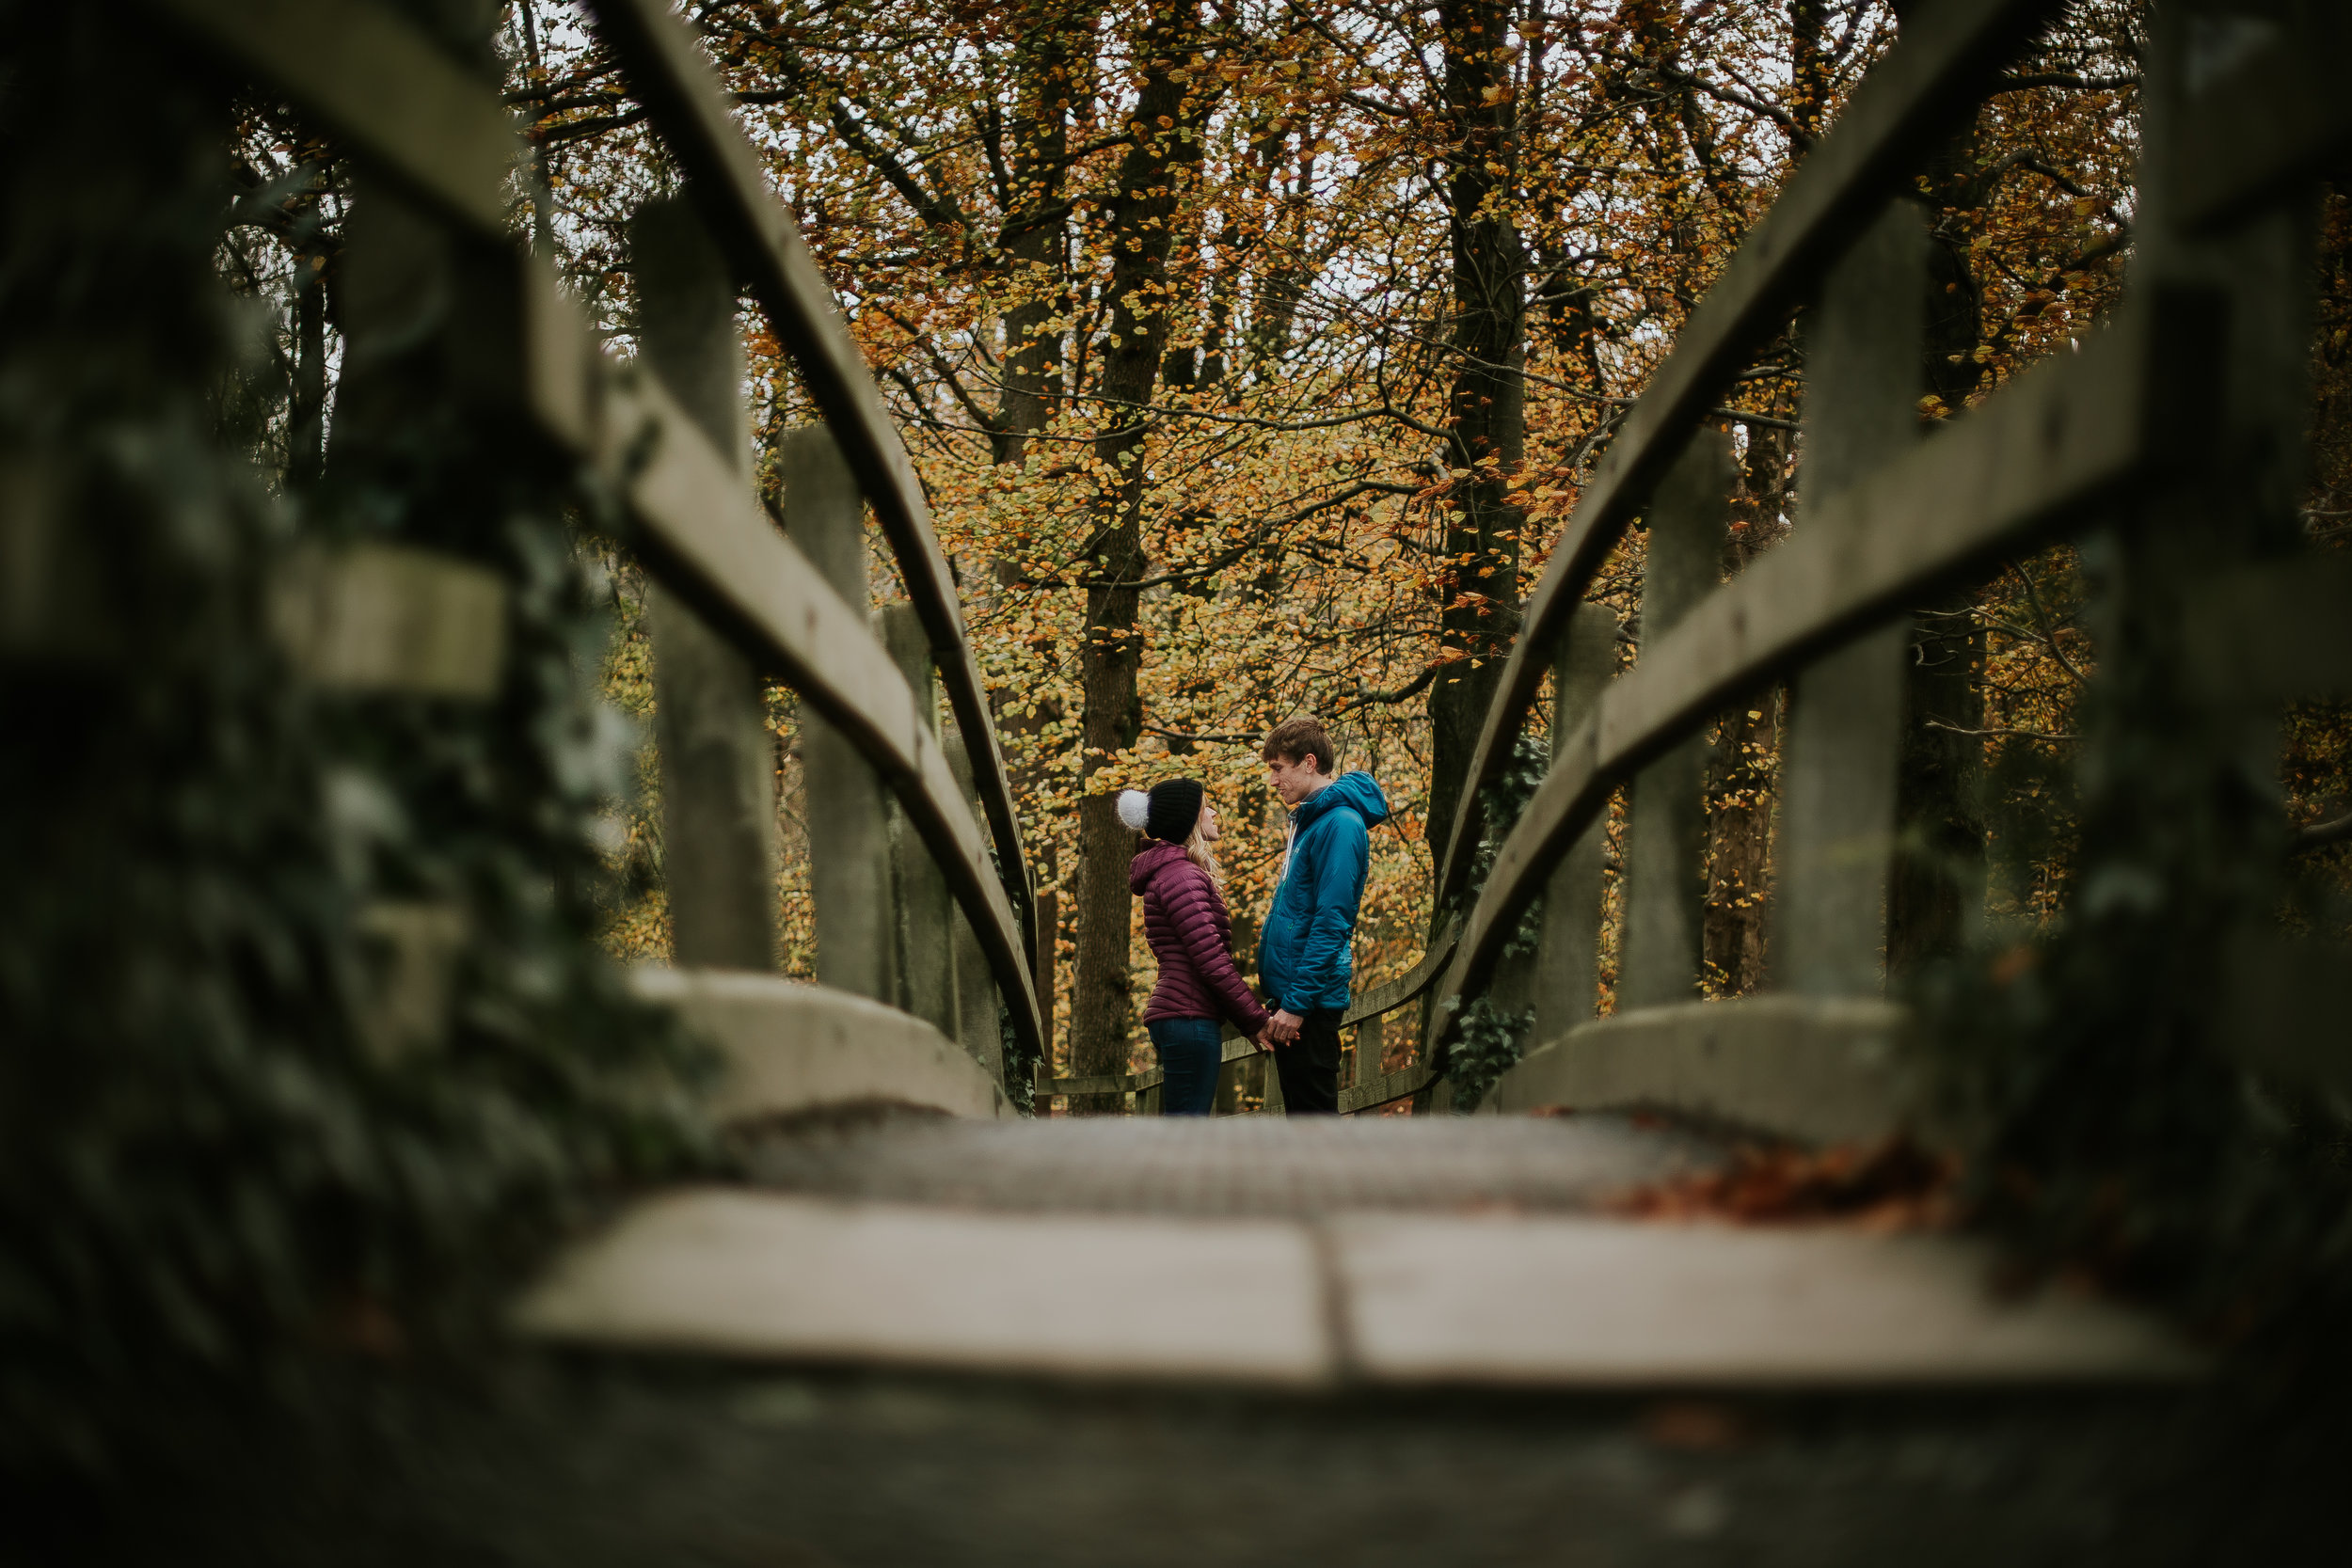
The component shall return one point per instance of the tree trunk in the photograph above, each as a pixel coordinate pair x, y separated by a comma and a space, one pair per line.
306, 408
1054, 58
1810, 67
1739, 770
1037, 225
1479, 593
1282, 281
1166, 149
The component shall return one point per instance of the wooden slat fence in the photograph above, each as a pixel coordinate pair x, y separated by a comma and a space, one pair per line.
2201, 365
641, 466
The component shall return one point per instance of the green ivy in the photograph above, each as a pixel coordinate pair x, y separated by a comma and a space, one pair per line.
214, 1169
1488, 1039
1486, 1044
2112, 1127
1020, 1062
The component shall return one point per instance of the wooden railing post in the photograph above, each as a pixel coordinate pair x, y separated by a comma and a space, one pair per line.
1372, 1038
1665, 877
1845, 725
1567, 954
1231, 1077
2180, 770
977, 999
711, 710
848, 821
1044, 965
926, 971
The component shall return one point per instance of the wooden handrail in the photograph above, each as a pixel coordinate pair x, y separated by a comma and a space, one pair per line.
1232, 1048
1930, 81
2274, 122
667, 72
452, 144
2067, 431
422, 119
1389, 1088
704, 534
1387, 998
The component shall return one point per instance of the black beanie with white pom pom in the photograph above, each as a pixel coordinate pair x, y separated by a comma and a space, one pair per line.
1168, 813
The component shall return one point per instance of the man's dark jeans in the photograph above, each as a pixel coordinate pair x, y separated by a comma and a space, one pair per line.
1191, 1050
1309, 1066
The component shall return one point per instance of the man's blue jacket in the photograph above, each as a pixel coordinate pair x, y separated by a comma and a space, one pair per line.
1303, 957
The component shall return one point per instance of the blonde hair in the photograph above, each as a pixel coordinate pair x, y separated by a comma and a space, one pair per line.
1197, 852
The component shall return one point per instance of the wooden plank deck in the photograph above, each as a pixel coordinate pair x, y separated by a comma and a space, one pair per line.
1322, 1253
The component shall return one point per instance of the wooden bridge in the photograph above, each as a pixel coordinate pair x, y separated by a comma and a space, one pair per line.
927, 1327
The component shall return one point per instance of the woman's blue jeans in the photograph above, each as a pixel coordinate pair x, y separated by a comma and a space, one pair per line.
1190, 1052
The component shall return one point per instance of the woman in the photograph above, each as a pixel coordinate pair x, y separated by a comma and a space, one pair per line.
1183, 915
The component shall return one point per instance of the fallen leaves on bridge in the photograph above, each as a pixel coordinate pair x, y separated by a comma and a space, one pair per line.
1892, 1184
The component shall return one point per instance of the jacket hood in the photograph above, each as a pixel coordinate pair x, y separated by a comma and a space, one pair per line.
1148, 863
1357, 789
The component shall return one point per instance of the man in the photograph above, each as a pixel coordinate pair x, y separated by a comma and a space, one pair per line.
1303, 958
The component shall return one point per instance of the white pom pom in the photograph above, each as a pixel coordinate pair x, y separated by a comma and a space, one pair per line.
1134, 808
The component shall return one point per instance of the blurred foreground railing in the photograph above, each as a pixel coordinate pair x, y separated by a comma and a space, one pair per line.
2174, 433
937, 922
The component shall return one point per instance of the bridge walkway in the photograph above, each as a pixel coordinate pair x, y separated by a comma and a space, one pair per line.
924, 1326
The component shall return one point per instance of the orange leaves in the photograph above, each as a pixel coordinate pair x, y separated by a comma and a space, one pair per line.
1890, 1185
1310, 294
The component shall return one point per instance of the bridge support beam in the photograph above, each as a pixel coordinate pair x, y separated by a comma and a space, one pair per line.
711, 707
1567, 953
1666, 871
1846, 710
927, 915
1370, 1045
977, 999
844, 802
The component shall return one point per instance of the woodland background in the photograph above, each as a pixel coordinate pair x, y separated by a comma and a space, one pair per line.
1252, 355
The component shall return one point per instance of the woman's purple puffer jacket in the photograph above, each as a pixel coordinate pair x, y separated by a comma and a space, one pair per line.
1183, 917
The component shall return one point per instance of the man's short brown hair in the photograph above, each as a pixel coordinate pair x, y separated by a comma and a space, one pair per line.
1293, 738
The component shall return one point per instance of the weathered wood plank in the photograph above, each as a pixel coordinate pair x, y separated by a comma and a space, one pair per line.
2062, 433
790, 1047
1365, 1051
366, 74
976, 1002
1838, 765
1922, 88
1567, 950
847, 809
1529, 1302
711, 707
1385, 1088
1824, 1069
1396, 992
743, 1273
927, 972
2266, 112
1372, 1299
1665, 840
379, 617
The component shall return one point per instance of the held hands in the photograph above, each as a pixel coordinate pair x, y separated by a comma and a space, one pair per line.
1280, 1029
